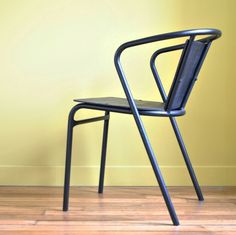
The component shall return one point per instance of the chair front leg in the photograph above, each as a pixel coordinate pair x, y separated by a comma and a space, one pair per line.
71, 124
103, 156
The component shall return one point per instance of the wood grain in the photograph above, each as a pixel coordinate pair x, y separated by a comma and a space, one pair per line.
120, 210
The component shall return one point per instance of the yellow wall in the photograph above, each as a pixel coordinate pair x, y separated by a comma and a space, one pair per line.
52, 51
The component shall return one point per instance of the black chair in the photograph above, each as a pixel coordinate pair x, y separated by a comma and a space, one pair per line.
193, 54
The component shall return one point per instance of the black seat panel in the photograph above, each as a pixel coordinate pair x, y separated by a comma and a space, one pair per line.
142, 105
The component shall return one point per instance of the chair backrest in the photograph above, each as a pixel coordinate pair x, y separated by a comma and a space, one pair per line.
186, 74
193, 55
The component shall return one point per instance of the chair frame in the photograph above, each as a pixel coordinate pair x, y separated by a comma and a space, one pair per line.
212, 34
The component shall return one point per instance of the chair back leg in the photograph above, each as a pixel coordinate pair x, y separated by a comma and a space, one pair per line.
156, 168
187, 159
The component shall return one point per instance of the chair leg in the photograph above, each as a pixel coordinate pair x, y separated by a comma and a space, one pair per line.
68, 158
186, 159
156, 169
103, 155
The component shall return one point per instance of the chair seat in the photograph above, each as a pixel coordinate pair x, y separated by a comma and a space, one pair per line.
123, 103
151, 108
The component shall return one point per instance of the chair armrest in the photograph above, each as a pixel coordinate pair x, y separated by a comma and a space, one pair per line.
154, 69
214, 33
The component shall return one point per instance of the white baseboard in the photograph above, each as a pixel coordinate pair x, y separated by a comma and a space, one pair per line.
116, 175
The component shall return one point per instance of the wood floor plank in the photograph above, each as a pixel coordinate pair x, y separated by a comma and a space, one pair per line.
120, 210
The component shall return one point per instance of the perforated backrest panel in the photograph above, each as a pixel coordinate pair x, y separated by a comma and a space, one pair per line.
185, 75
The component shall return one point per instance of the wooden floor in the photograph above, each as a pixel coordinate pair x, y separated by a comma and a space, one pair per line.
120, 210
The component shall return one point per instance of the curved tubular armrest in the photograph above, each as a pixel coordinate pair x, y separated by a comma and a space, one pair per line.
154, 69
214, 34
